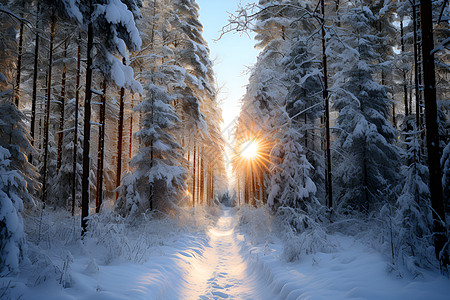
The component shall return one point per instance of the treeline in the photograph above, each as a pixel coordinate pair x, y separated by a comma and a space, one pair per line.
104, 105
342, 103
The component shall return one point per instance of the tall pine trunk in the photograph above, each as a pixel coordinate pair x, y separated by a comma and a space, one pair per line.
328, 179
101, 151
130, 150
120, 136
417, 78
75, 139
19, 66
405, 85
85, 181
62, 100
193, 176
35, 79
47, 110
432, 135
202, 180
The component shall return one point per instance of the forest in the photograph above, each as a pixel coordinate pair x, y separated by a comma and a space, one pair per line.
113, 147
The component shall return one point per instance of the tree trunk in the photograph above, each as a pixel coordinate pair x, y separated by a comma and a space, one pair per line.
101, 151
75, 139
19, 66
212, 184
194, 169
62, 108
47, 110
130, 150
151, 196
85, 190
202, 179
416, 68
239, 191
432, 135
209, 184
247, 187
35, 79
120, 137
261, 186
328, 179
405, 86
253, 186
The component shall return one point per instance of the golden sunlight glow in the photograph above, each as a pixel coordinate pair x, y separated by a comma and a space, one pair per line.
249, 149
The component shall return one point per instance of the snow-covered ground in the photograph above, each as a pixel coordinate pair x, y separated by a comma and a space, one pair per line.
218, 262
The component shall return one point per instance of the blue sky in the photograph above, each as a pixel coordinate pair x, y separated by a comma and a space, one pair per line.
232, 54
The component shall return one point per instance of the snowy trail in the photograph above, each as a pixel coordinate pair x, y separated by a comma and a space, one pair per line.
220, 264
222, 271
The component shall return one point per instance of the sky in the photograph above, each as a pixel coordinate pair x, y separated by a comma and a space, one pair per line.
232, 55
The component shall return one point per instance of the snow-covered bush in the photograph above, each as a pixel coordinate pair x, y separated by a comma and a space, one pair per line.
256, 223
290, 183
301, 234
12, 186
108, 234
17, 179
413, 219
445, 163
197, 218
366, 163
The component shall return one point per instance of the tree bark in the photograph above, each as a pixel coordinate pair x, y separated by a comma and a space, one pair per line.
62, 108
47, 110
75, 139
261, 186
193, 178
405, 86
130, 150
416, 68
120, 137
328, 179
19, 66
432, 135
85, 182
35, 77
101, 151
202, 180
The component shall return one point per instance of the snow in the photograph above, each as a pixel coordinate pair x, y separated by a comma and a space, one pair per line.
73, 10
223, 257
117, 12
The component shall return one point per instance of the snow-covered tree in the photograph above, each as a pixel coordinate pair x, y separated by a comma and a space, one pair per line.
12, 237
17, 183
158, 175
368, 167
59, 189
413, 218
445, 163
304, 102
290, 181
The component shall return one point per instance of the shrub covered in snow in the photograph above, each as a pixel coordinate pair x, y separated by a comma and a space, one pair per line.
301, 234
17, 179
12, 237
256, 223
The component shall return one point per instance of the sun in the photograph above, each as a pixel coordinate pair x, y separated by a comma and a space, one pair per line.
249, 149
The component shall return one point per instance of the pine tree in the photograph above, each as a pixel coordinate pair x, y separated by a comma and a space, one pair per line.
291, 184
17, 183
413, 216
367, 171
445, 164
304, 102
159, 175
113, 26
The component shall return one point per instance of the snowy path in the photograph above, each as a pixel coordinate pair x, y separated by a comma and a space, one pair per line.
222, 272
221, 264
